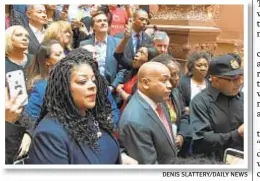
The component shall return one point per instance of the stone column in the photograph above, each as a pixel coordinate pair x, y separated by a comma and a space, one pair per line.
190, 28
218, 29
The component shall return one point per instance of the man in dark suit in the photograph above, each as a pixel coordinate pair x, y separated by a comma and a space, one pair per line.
147, 135
104, 49
137, 38
37, 19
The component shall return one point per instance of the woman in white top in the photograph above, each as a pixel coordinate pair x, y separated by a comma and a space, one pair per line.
195, 80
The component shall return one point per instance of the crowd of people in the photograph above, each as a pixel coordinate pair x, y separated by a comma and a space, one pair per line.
102, 89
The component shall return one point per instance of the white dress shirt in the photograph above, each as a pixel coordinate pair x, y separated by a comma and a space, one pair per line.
39, 34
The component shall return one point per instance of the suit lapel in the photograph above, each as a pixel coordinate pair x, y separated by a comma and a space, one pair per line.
119, 160
33, 38
92, 41
88, 153
145, 38
109, 51
131, 46
175, 101
155, 118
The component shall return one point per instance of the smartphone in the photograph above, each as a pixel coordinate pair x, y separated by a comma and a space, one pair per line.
233, 156
130, 24
16, 82
21, 161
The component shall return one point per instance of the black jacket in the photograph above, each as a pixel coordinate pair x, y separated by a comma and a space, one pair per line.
185, 89
13, 137
215, 119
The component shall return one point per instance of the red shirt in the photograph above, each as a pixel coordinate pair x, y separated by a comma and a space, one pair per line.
7, 22
119, 20
128, 88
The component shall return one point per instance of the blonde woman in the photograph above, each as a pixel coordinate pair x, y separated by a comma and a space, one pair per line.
16, 48
61, 31
16, 58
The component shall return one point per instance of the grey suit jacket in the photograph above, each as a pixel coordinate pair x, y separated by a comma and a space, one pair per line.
129, 48
34, 43
142, 134
113, 72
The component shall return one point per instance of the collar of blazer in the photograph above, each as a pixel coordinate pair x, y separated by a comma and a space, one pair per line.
154, 117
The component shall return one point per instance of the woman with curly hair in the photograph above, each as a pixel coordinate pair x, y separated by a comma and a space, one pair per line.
75, 125
195, 80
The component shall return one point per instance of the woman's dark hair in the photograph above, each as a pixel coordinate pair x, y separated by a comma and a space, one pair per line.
165, 59
59, 103
195, 57
151, 51
38, 69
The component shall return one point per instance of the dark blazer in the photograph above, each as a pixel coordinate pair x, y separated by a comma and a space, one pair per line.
34, 43
13, 137
79, 36
142, 134
185, 89
113, 72
182, 122
129, 48
36, 98
87, 22
52, 144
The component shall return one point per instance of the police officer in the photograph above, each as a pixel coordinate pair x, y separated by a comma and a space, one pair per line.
217, 114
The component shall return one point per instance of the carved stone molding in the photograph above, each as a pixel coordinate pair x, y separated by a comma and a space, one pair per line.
187, 12
213, 12
183, 51
239, 49
196, 27
235, 46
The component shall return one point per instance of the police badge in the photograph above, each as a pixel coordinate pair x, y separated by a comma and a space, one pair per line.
234, 64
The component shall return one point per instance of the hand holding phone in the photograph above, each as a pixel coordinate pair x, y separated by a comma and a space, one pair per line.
233, 156
16, 85
128, 30
13, 106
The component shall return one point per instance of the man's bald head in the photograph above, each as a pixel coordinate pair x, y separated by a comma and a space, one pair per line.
150, 68
153, 81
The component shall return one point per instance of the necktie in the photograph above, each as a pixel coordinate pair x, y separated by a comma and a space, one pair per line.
137, 42
163, 119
